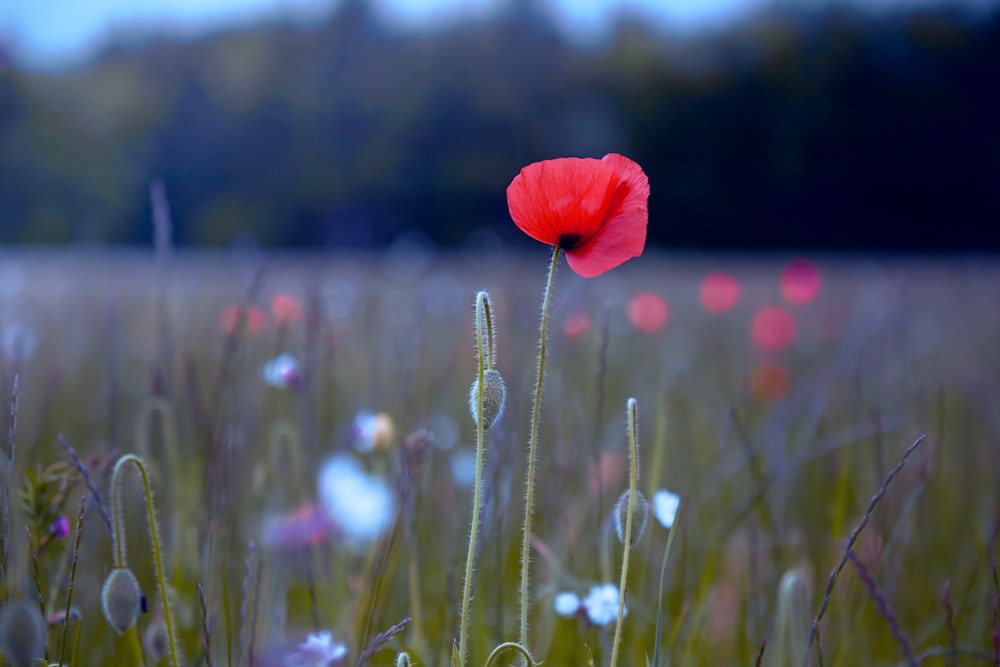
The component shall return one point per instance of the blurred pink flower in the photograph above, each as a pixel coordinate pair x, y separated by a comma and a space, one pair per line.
305, 526
229, 318
647, 312
719, 292
800, 282
772, 329
286, 309
576, 325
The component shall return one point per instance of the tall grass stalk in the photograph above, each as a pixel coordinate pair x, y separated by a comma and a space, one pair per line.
484, 358
529, 482
633, 484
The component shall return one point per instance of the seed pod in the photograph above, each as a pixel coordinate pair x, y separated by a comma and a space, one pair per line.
494, 398
22, 632
121, 599
640, 512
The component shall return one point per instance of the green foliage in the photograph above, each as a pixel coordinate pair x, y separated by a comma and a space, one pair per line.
882, 355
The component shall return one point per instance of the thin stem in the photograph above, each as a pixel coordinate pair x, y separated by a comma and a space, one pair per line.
659, 605
529, 492
481, 353
72, 578
116, 511
832, 581
633, 482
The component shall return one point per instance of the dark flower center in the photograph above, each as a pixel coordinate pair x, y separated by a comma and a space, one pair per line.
569, 241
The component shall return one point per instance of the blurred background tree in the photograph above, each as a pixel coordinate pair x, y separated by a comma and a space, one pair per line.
827, 127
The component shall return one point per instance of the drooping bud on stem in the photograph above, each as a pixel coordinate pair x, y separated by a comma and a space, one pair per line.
494, 398
121, 599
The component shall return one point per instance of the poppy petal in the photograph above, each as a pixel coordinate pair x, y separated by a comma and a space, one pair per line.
622, 235
561, 201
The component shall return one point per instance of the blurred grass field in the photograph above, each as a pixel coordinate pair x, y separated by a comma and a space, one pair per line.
775, 453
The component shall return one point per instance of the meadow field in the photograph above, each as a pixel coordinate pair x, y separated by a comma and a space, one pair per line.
776, 397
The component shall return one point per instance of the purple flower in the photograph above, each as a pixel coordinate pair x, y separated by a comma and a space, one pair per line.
59, 528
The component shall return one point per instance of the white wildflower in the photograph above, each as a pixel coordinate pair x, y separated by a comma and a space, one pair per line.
360, 505
281, 372
601, 604
665, 506
318, 650
566, 603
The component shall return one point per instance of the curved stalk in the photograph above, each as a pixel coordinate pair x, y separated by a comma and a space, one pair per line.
509, 646
119, 538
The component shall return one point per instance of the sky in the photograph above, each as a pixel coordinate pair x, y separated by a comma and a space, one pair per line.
55, 32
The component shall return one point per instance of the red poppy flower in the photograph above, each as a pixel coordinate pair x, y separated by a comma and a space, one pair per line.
769, 381
595, 210
256, 320
648, 312
800, 282
576, 325
719, 292
773, 329
286, 309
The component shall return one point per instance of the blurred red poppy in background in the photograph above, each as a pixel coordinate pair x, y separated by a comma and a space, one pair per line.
576, 325
769, 381
256, 320
719, 292
800, 282
773, 329
286, 309
595, 210
648, 312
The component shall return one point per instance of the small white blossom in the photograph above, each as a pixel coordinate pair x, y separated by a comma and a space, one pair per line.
665, 506
281, 372
318, 650
601, 604
566, 603
360, 505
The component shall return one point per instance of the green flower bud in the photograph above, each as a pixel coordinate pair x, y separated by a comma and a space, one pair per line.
22, 632
121, 599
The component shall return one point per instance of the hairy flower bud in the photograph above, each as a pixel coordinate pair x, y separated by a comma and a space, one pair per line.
494, 398
22, 632
156, 641
640, 512
121, 599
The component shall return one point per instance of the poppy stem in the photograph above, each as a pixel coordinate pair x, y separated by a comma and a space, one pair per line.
154, 536
529, 492
484, 351
633, 482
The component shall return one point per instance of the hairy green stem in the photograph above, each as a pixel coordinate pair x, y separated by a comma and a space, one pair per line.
509, 646
529, 484
483, 354
119, 539
633, 482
